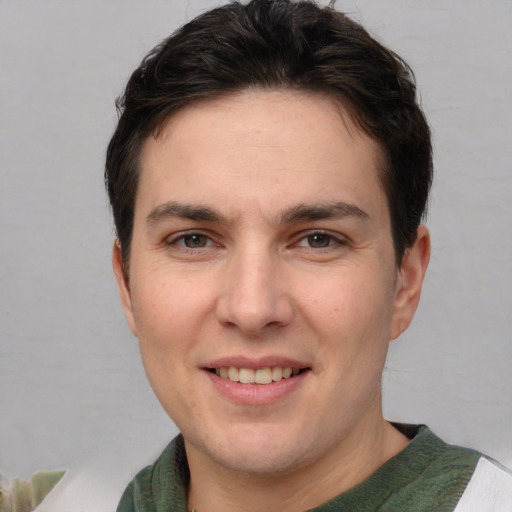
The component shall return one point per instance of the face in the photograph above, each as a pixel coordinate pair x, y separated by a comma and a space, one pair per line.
263, 286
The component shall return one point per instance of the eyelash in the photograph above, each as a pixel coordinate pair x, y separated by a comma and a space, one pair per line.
180, 239
333, 241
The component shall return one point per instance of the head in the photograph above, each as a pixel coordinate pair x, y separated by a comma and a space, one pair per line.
270, 45
268, 176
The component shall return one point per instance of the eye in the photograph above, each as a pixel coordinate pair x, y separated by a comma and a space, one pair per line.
195, 240
319, 240
190, 240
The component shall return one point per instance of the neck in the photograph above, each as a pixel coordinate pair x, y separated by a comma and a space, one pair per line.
218, 489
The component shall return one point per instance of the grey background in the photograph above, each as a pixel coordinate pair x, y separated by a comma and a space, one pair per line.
72, 388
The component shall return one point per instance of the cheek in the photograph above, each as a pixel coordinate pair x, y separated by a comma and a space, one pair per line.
353, 304
168, 323
166, 313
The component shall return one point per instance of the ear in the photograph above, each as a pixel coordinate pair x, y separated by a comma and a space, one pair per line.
123, 285
409, 282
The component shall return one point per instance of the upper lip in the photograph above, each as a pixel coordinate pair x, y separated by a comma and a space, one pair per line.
271, 361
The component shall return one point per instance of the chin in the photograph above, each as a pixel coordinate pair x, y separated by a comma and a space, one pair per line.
255, 450
258, 462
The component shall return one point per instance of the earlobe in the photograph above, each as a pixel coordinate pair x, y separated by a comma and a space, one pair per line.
410, 280
123, 285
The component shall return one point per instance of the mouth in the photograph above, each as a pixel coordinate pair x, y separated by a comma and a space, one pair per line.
262, 376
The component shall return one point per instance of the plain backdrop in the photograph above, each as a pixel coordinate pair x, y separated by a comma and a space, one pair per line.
72, 388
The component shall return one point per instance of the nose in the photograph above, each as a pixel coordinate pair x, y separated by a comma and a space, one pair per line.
254, 296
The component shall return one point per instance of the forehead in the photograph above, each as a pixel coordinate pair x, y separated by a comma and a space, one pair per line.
267, 149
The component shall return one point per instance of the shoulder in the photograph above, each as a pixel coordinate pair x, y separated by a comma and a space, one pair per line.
160, 485
435, 458
472, 480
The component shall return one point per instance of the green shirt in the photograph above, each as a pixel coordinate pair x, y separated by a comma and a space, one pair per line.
428, 475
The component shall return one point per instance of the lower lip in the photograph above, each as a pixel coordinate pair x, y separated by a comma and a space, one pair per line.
256, 394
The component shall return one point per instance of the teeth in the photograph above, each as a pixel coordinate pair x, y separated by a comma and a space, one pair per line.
233, 373
246, 376
259, 376
263, 376
277, 373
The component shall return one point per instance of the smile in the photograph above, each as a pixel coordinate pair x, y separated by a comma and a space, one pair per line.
256, 376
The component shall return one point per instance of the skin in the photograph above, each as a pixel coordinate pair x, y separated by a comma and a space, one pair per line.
292, 259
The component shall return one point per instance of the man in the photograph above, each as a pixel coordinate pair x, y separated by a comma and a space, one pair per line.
268, 177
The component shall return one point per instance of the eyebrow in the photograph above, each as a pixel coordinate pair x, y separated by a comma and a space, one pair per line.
299, 213
337, 210
185, 211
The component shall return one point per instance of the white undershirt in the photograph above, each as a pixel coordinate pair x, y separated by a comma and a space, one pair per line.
489, 490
